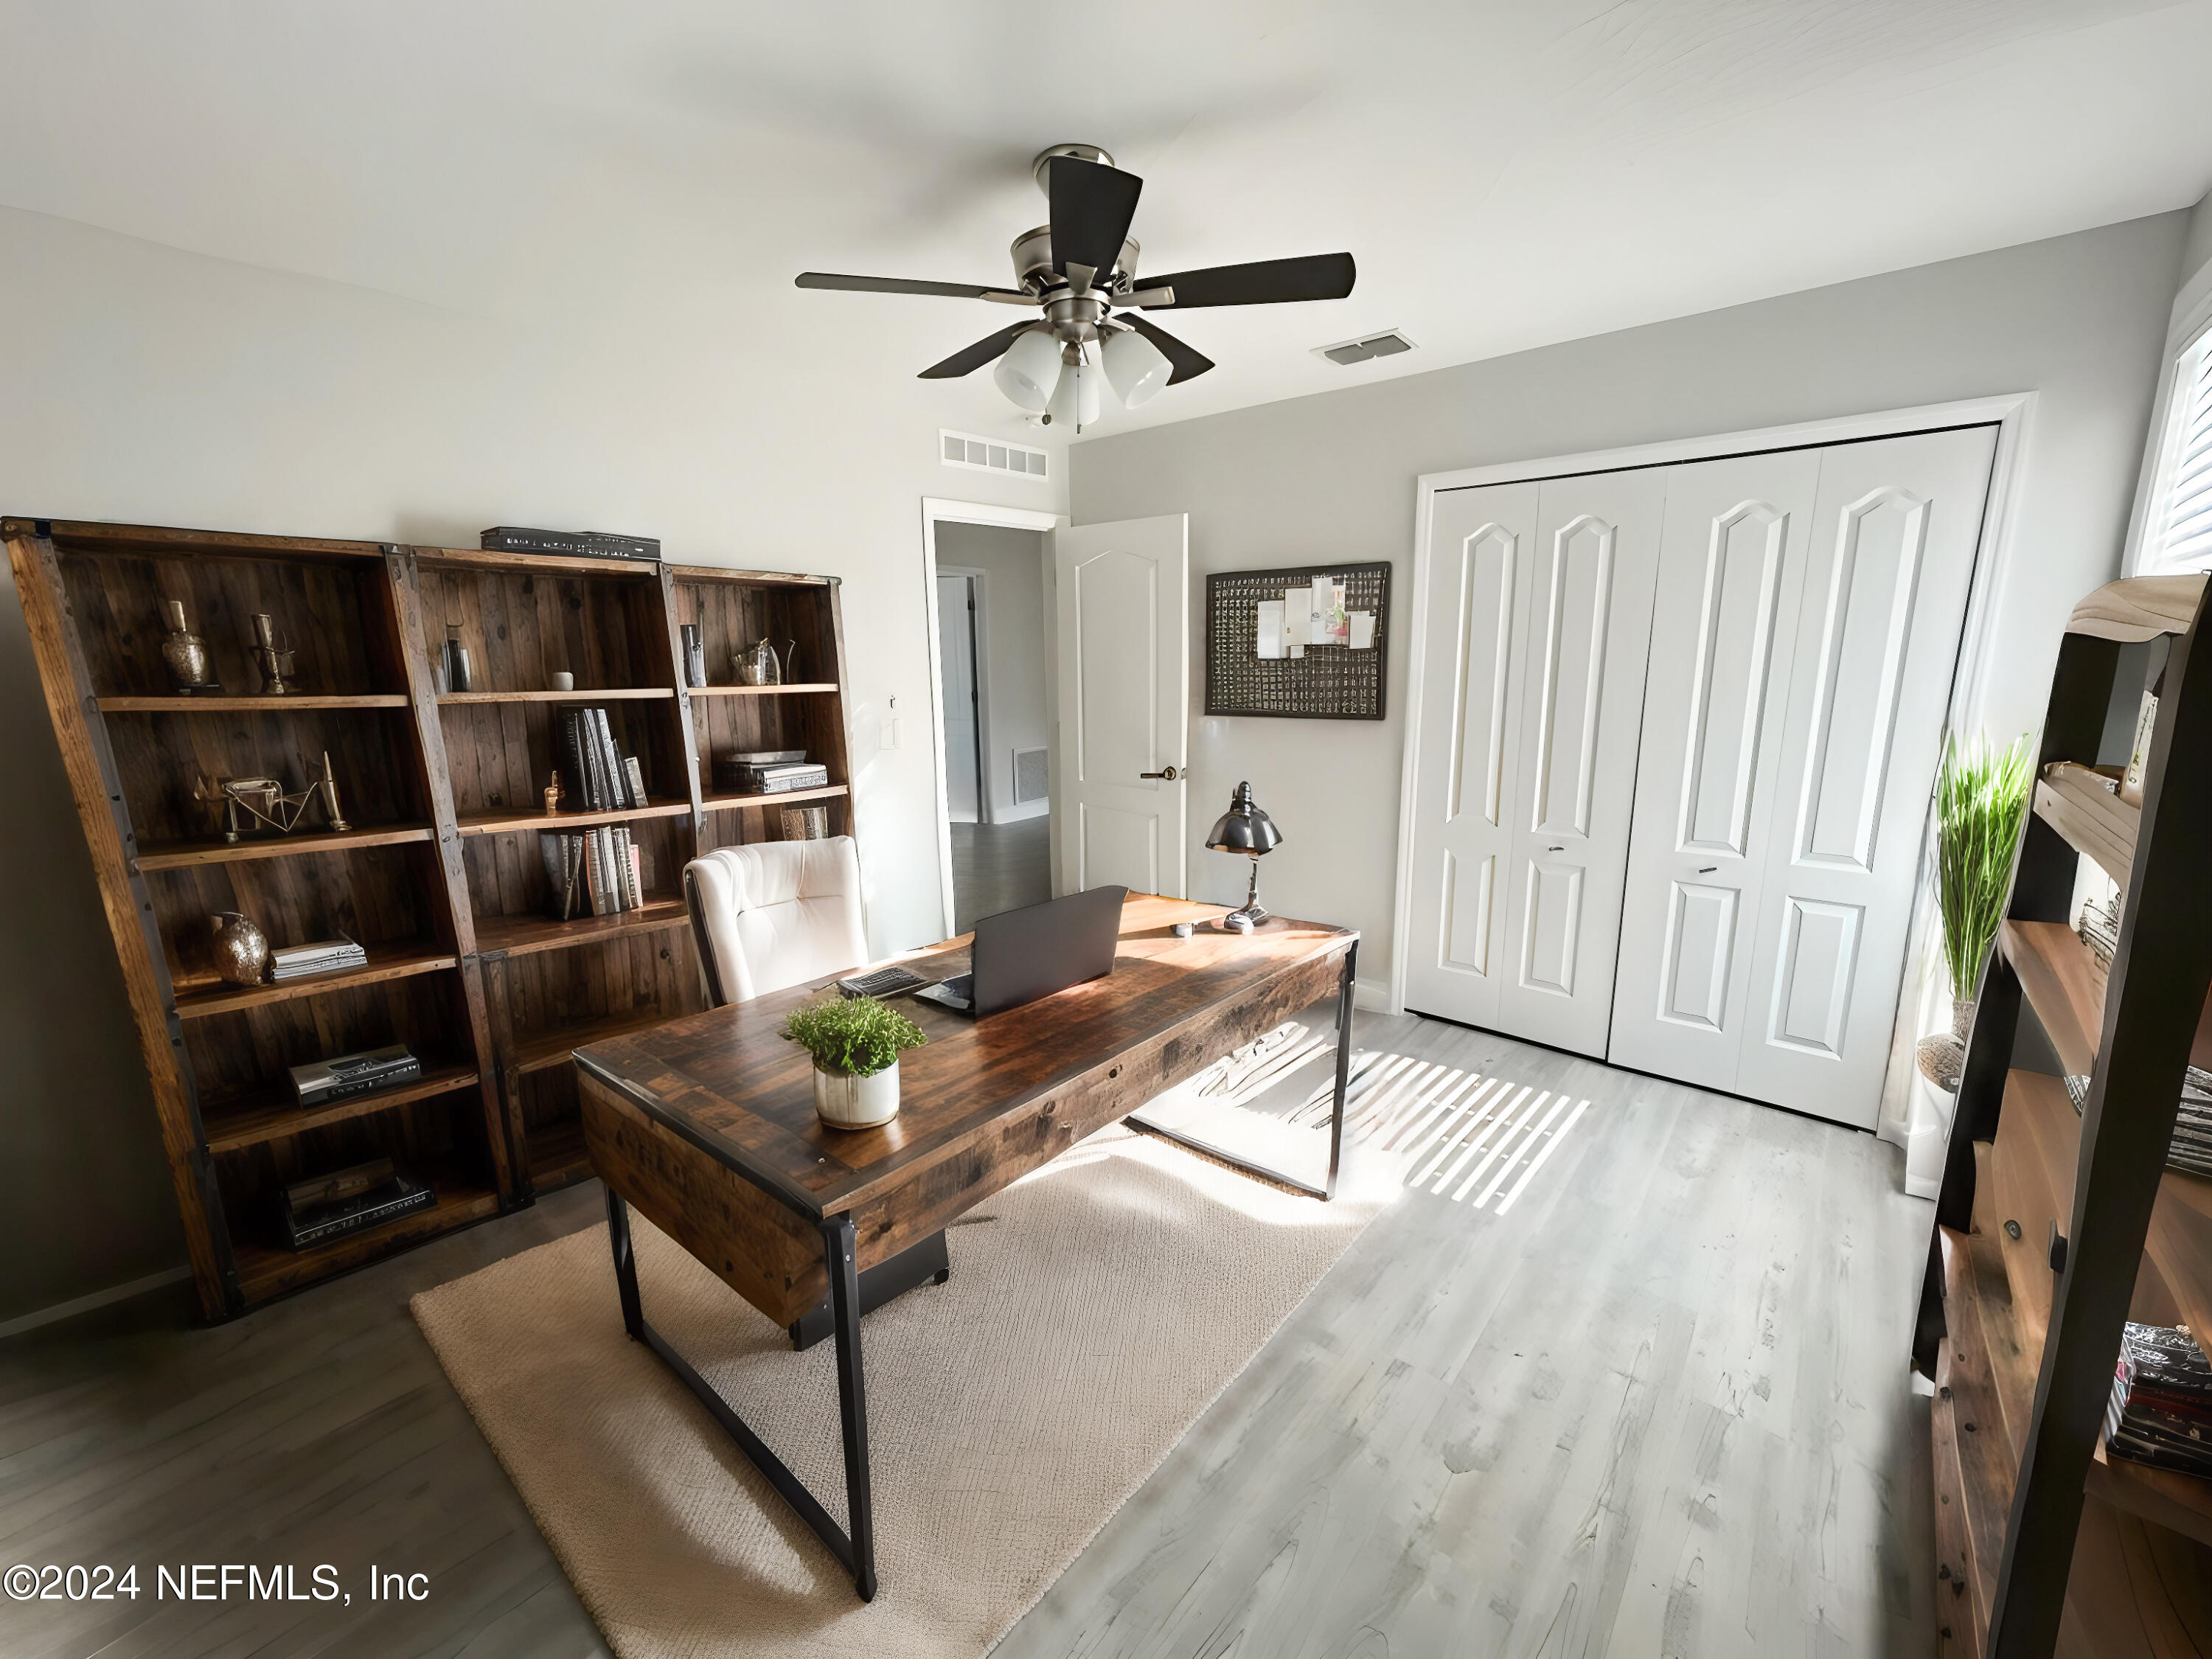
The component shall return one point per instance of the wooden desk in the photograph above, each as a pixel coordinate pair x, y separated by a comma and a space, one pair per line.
706, 1124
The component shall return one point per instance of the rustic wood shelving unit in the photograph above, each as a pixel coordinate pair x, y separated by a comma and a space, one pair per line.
2054, 1227
439, 874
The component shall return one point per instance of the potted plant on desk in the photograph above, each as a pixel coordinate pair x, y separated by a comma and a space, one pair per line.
855, 1043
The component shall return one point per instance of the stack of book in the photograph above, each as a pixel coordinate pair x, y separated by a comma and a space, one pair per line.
2099, 929
592, 873
772, 774
2190, 1149
601, 778
2161, 1408
347, 1201
573, 544
324, 957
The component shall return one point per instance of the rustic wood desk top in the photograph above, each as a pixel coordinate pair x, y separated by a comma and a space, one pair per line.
727, 1083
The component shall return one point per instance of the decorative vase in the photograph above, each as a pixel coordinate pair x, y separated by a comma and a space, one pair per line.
242, 949
846, 1102
758, 665
694, 656
184, 653
1942, 1059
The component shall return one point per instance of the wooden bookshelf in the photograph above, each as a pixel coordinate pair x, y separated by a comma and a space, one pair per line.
2056, 1226
439, 874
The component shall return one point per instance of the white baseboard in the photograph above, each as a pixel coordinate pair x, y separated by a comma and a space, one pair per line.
77, 1305
1010, 813
1371, 994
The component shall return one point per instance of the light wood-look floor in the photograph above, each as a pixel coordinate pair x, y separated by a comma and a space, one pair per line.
1659, 1409
998, 867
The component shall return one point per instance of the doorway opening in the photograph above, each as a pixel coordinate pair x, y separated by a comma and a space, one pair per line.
991, 585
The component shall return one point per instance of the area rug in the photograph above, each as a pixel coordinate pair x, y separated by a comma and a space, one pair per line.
1095, 1309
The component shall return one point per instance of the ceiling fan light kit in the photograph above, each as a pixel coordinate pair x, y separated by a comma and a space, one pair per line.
1080, 273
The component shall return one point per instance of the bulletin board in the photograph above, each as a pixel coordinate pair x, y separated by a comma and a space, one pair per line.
1329, 682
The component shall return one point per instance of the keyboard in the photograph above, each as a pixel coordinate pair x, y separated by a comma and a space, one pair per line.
883, 982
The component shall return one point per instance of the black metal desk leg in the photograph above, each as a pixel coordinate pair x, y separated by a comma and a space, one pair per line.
625, 1265
852, 1400
1345, 993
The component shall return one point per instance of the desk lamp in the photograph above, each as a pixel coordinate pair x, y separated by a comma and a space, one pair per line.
1245, 829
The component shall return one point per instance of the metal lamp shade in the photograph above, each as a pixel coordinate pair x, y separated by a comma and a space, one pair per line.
1245, 829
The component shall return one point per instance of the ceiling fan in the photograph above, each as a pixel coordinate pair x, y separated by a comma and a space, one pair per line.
1076, 271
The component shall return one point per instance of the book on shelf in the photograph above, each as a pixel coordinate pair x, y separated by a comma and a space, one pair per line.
2160, 1411
599, 871
323, 956
346, 1200
599, 777
773, 778
805, 823
2190, 1151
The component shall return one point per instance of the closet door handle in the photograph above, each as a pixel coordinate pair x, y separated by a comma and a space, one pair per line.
1169, 773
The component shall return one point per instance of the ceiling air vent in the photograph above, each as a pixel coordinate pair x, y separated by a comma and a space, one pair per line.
989, 454
1388, 343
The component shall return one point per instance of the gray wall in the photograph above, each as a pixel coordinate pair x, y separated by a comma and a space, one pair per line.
147, 384
2078, 320
1018, 636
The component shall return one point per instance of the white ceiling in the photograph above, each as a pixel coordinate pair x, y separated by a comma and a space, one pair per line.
1507, 173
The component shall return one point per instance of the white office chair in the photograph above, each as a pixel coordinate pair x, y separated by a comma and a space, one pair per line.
774, 914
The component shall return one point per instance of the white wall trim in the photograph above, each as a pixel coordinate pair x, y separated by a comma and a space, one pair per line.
935, 510
2010, 412
77, 1305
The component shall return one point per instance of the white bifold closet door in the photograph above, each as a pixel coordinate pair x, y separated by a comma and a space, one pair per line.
1810, 605
1540, 616
1706, 871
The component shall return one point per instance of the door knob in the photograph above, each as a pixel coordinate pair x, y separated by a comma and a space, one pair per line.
1169, 773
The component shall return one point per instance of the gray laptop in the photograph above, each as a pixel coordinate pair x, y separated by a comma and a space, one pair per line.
1021, 955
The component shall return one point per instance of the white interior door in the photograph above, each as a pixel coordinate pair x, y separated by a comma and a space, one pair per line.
1481, 544
1887, 570
958, 700
1588, 630
1124, 660
1538, 621
1731, 571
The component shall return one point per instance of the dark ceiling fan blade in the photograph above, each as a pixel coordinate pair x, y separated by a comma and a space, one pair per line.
905, 285
1091, 207
1262, 283
1188, 364
971, 358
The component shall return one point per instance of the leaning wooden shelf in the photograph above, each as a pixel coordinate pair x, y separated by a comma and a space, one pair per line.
807, 690
731, 800
506, 823
556, 1157
2055, 1228
521, 936
620, 693
553, 1047
246, 705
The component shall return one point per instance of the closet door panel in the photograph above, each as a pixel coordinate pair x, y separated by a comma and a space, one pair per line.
1480, 542
1895, 528
1731, 572
1588, 630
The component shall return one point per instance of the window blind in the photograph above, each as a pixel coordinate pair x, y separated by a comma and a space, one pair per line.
2183, 523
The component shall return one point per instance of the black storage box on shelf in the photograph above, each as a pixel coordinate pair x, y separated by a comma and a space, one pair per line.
347, 1200
570, 543
343, 1075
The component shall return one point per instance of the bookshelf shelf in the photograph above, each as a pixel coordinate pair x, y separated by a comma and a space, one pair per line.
384, 962
473, 976
2074, 801
811, 689
518, 936
621, 694
2058, 1546
275, 1117
246, 705
183, 854
731, 802
552, 1048
496, 823
266, 1270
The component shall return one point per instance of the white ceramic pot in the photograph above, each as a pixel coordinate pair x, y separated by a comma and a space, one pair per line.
844, 1102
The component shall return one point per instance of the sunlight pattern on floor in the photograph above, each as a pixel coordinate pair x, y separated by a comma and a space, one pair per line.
1465, 1136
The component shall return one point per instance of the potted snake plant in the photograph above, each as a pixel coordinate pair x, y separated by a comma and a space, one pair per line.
1981, 795
855, 1043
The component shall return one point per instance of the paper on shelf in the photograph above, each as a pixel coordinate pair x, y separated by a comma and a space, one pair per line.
1298, 619
1271, 640
1363, 629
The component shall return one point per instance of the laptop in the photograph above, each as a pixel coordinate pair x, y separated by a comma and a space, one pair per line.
1021, 955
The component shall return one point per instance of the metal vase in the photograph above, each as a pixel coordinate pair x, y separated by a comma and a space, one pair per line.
184, 653
242, 949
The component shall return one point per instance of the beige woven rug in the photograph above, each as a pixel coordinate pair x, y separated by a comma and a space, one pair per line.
1095, 1309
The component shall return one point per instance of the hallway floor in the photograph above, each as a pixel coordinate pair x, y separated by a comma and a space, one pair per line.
1000, 866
